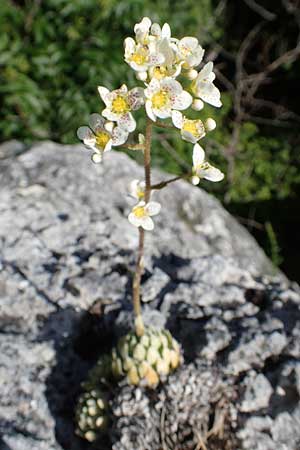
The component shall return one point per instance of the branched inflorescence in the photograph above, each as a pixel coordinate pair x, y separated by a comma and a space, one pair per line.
161, 62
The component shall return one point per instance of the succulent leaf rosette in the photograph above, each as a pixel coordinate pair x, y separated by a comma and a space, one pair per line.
172, 80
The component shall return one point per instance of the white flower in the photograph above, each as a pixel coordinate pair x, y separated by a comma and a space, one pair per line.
137, 189
141, 30
190, 52
202, 169
119, 103
191, 130
141, 57
162, 96
204, 88
100, 136
140, 215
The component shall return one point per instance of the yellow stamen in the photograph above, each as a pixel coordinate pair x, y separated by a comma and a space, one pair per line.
160, 99
139, 211
160, 72
139, 58
120, 105
195, 127
102, 139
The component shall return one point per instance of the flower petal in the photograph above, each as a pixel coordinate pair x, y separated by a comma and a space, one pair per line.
147, 223
136, 221
162, 113
177, 119
149, 110
188, 43
182, 101
103, 91
189, 137
119, 136
108, 114
209, 93
135, 98
85, 133
96, 122
129, 45
211, 174
171, 86
153, 208
166, 31
127, 122
198, 155
207, 69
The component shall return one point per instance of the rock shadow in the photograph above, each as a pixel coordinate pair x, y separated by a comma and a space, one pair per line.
79, 338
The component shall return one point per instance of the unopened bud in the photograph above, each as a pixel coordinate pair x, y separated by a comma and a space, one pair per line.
192, 74
142, 76
210, 124
197, 104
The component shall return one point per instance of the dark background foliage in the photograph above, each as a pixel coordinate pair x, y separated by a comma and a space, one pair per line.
53, 54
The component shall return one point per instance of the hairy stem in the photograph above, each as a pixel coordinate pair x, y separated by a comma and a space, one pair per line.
139, 326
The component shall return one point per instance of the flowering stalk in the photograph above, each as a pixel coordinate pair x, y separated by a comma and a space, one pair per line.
136, 288
159, 61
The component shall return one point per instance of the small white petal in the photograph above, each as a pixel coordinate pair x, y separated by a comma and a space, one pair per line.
103, 91
119, 136
171, 86
156, 30
182, 101
207, 69
166, 31
96, 122
198, 155
162, 113
108, 114
136, 221
109, 126
188, 43
189, 137
136, 98
149, 110
85, 133
129, 45
153, 208
211, 174
127, 122
147, 223
177, 119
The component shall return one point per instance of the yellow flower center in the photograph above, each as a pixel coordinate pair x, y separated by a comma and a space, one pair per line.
140, 194
160, 72
160, 99
139, 58
192, 126
102, 139
120, 105
139, 211
203, 166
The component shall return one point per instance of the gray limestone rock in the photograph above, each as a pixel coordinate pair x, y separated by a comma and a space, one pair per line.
66, 263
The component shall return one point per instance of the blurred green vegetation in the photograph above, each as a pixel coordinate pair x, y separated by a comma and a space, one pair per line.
54, 53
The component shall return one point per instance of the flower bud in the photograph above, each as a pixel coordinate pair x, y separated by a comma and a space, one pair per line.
210, 124
192, 74
142, 76
197, 104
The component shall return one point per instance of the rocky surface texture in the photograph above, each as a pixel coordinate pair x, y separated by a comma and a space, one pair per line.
67, 256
